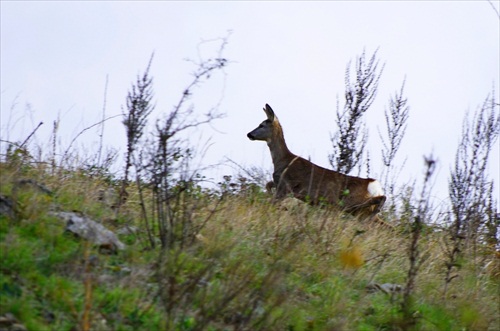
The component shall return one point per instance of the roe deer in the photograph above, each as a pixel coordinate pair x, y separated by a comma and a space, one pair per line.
311, 183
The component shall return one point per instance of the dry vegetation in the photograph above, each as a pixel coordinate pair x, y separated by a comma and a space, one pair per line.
253, 265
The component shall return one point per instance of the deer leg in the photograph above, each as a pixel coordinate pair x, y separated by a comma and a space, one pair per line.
270, 186
378, 202
376, 219
281, 190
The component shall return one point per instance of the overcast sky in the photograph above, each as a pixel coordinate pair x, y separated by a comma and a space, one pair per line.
55, 57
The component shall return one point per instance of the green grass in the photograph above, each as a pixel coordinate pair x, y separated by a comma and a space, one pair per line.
256, 267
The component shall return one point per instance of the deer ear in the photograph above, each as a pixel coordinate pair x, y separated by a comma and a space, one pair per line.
269, 112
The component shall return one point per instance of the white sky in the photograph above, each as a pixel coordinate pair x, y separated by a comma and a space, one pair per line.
55, 56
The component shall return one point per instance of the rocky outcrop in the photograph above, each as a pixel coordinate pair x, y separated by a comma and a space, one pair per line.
88, 229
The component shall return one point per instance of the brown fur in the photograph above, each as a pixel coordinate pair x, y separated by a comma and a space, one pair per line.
309, 182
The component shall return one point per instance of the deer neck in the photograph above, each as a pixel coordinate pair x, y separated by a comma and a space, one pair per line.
280, 153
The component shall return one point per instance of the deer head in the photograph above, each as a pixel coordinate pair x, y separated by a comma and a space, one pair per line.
266, 129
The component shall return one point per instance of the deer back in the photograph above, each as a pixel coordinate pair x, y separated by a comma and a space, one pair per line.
309, 182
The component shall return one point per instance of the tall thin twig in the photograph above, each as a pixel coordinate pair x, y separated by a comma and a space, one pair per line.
101, 134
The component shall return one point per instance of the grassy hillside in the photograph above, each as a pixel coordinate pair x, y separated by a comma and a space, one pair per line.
242, 263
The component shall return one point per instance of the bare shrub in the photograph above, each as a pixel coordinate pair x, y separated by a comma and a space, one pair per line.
349, 141
396, 118
168, 163
421, 217
139, 107
473, 208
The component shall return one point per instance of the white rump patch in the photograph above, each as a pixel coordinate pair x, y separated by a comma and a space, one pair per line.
375, 189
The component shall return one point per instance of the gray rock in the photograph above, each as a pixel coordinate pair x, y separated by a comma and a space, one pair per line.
386, 288
34, 184
7, 207
90, 230
127, 230
10, 323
